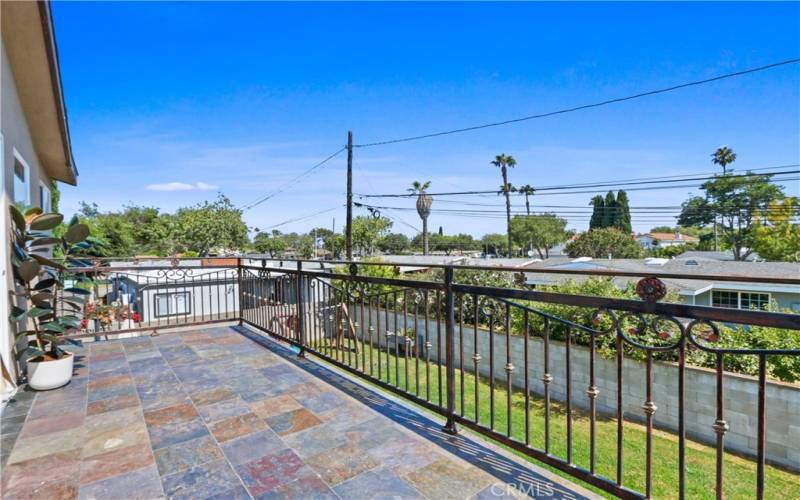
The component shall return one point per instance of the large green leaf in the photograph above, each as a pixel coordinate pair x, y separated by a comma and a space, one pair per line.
41, 297
46, 222
33, 212
28, 270
47, 262
46, 241
19, 219
29, 351
36, 312
77, 233
17, 314
79, 291
52, 326
47, 283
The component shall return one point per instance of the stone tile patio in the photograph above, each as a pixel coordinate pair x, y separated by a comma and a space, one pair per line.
224, 413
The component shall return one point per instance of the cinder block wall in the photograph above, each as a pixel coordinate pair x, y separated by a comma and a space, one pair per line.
740, 391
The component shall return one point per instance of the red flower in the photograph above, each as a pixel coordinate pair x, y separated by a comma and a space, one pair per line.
136, 318
664, 335
84, 322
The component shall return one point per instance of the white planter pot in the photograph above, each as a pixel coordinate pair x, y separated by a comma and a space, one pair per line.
45, 375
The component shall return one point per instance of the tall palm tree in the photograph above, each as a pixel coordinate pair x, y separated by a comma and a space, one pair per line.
723, 157
504, 162
424, 202
528, 191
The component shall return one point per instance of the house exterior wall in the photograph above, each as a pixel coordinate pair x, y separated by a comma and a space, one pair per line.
208, 302
783, 300
16, 137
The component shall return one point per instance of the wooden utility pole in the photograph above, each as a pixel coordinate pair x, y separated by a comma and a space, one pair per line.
349, 223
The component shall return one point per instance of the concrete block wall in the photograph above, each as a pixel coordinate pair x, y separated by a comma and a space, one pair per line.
740, 392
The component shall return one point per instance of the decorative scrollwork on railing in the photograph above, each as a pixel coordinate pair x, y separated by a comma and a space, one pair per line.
175, 274
651, 289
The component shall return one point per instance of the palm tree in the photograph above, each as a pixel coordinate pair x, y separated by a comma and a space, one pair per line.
424, 202
528, 191
505, 162
723, 157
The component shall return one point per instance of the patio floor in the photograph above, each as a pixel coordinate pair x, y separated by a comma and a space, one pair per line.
223, 413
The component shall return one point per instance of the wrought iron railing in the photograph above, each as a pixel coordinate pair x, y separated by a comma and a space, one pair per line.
500, 361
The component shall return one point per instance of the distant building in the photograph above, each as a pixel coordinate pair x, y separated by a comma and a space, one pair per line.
705, 292
661, 240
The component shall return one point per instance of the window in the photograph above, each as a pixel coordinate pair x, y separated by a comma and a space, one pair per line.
721, 298
21, 181
45, 198
739, 300
172, 304
754, 300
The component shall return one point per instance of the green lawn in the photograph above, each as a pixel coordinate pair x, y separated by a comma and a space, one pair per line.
740, 473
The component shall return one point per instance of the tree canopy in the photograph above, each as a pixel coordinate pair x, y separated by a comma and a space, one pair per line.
736, 202
774, 235
600, 243
542, 232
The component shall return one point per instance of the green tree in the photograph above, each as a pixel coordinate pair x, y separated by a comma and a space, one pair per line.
600, 243
367, 231
504, 162
542, 232
527, 190
610, 210
493, 243
394, 243
267, 243
598, 204
211, 226
736, 202
775, 236
622, 219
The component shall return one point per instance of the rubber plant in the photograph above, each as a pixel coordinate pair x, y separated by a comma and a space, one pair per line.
49, 308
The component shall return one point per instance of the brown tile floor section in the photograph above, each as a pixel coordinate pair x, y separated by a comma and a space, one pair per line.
210, 413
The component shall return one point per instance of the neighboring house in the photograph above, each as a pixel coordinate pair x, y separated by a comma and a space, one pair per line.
662, 240
421, 263
167, 295
705, 292
34, 136
722, 255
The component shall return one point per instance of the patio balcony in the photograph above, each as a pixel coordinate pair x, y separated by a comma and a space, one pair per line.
249, 378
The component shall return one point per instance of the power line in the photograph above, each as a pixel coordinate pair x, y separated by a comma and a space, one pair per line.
304, 217
293, 181
597, 185
582, 107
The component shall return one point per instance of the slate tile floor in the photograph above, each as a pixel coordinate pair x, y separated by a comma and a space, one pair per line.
211, 413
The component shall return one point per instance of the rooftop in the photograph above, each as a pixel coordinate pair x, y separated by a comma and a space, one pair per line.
225, 413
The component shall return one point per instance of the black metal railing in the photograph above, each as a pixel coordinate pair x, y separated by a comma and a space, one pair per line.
508, 363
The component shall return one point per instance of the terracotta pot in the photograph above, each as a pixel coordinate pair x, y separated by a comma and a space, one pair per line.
50, 374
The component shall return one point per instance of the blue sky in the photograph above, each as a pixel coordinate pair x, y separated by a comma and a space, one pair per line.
171, 102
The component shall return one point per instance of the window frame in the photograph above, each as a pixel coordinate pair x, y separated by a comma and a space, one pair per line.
26, 182
739, 299
185, 293
44, 188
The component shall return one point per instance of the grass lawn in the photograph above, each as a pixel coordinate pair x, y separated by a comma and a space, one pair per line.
740, 473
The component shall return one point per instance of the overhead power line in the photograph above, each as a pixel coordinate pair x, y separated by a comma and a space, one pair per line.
544, 190
293, 181
582, 107
304, 217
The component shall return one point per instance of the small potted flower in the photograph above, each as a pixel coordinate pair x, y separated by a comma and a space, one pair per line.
46, 309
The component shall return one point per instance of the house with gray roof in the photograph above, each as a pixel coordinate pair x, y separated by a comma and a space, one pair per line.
705, 291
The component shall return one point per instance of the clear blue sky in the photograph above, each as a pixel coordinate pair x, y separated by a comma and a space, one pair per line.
241, 97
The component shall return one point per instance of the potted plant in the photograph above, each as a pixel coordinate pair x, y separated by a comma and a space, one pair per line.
46, 309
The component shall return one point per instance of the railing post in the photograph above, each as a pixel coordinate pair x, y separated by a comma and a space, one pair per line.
301, 313
240, 285
450, 426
